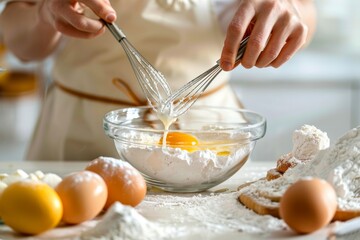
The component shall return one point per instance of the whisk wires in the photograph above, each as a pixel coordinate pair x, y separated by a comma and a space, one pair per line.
187, 95
181, 100
152, 82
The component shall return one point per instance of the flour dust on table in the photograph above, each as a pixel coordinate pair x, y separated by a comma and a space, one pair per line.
217, 213
186, 215
125, 223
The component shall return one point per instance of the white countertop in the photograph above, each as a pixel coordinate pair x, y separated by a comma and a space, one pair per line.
250, 171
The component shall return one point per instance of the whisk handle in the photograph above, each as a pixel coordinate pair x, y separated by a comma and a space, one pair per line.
115, 30
241, 50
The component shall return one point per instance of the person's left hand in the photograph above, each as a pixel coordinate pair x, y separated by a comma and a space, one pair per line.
277, 33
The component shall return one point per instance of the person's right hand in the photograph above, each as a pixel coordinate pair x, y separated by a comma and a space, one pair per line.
66, 16
280, 28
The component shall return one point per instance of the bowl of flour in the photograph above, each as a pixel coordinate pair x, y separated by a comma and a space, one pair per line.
200, 150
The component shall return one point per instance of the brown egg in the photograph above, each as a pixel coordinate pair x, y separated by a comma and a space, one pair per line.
125, 184
83, 195
308, 205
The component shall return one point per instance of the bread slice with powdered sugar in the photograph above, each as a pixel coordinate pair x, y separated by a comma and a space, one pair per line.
339, 165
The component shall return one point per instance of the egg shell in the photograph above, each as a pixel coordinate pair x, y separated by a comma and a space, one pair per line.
83, 195
308, 205
30, 207
125, 184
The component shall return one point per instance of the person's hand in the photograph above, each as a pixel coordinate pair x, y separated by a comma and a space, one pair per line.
66, 16
277, 32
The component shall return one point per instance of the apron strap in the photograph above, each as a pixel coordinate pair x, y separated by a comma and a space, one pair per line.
93, 97
126, 89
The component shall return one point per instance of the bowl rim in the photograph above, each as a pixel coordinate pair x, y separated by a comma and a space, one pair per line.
108, 123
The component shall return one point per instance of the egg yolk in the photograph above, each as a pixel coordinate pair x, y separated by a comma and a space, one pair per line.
180, 140
223, 153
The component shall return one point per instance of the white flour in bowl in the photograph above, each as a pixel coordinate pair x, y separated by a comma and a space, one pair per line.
177, 166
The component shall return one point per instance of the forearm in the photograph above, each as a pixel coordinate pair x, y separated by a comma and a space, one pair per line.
24, 34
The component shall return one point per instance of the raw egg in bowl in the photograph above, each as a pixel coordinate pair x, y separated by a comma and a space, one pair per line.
201, 148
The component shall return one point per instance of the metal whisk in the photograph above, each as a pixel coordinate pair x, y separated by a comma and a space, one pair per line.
181, 100
152, 82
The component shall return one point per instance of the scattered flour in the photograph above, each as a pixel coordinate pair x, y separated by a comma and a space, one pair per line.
112, 166
308, 141
340, 165
216, 213
186, 215
125, 223
80, 177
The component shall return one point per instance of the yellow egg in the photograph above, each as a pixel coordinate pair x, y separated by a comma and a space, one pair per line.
30, 207
181, 140
125, 184
83, 195
308, 205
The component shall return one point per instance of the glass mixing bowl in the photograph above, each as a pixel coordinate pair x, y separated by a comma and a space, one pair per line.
204, 147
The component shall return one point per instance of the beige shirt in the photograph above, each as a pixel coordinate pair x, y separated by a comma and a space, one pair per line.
180, 44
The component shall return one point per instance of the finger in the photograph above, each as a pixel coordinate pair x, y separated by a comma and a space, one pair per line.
234, 35
271, 52
69, 30
259, 37
293, 44
279, 35
102, 8
83, 23
67, 18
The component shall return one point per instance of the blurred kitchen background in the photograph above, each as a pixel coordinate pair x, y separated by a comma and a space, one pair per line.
320, 86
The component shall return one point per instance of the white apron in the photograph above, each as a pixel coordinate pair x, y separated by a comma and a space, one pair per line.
89, 75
